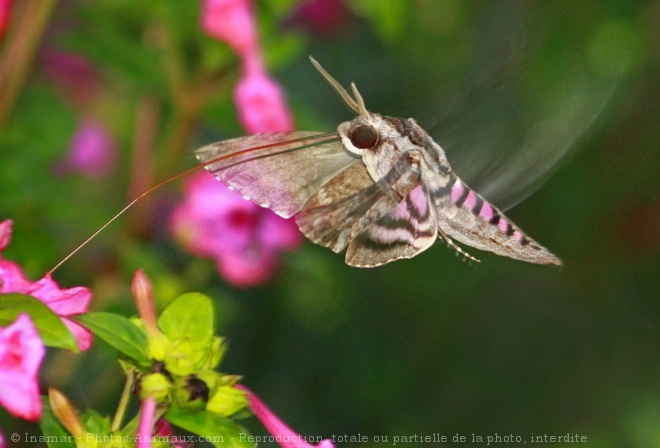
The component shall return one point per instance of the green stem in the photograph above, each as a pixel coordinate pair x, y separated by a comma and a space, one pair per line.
189, 94
123, 401
32, 18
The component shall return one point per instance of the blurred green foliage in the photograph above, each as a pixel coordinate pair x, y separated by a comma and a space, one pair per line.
424, 346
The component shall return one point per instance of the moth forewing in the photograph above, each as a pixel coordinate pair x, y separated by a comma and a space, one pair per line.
284, 173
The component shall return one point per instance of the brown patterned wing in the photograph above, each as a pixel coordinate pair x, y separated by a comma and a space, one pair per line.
283, 172
352, 201
410, 228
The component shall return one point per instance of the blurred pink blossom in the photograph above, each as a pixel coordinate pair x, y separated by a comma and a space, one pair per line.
258, 98
243, 238
283, 435
163, 430
261, 105
5, 12
230, 21
320, 16
21, 353
5, 234
63, 302
74, 76
92, 151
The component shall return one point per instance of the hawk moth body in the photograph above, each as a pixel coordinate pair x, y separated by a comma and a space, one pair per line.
380, 187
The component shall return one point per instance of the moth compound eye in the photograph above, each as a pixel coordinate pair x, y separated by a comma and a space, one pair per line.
364, 137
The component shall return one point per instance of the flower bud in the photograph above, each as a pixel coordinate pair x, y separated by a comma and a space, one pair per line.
155, 385
227, 401
144, 300
65, 413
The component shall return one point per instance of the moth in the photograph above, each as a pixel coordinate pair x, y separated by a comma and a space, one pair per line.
380, 187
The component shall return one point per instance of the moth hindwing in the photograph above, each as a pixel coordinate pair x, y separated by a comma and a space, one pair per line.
379, 187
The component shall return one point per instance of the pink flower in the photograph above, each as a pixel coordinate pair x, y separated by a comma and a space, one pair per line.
261, 105
321, 16
258, 98
63, 302
284, 436
73, 75
5, 12
146, 425
163, 430
243, 238
230, 21
5, 234
21, 353
92, 151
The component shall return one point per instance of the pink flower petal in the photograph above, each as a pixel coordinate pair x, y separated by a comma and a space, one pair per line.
278, 233
5, 232
12, 278
146, 425
232, 22
261, 106
245, 270
243, 238
163, 429
83, 336
284, 436
63, 302
21, 353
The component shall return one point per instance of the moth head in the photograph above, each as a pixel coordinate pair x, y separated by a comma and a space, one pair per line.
361, 134
355, 103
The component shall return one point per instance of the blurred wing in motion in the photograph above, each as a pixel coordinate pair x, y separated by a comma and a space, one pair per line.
505, 143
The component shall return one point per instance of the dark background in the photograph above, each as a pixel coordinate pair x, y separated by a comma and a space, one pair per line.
424, 346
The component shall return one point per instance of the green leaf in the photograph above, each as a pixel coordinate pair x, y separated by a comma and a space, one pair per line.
220, 431
95, 423
55, 434
119, 332
189, 317
51, 329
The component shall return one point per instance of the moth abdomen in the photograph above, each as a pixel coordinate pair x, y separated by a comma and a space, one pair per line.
462, 196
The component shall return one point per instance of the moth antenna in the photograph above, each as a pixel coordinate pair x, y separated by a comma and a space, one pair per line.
363, 109
350, 102
321, 137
